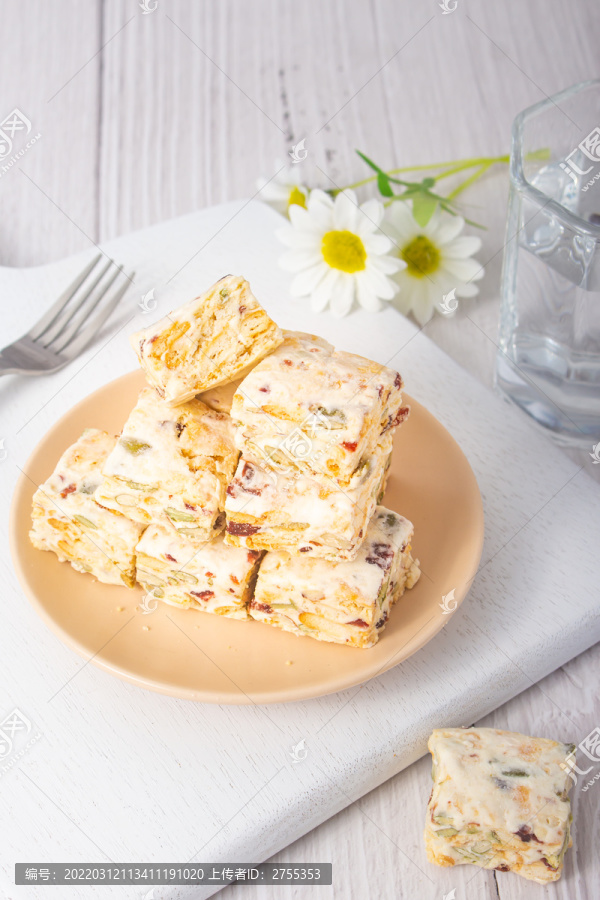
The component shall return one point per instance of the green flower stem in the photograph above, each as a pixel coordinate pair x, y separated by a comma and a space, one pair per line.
469, 181
463, 164
452, 166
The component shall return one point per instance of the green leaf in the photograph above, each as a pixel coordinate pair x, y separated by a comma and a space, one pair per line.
383, 183
424, 206
428, 182
370, 162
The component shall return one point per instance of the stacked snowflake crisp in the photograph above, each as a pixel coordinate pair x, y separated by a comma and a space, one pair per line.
245, 481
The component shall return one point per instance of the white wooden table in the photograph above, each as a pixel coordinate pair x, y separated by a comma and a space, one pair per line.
146, 117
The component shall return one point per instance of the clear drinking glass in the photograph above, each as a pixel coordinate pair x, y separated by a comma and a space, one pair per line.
549, 357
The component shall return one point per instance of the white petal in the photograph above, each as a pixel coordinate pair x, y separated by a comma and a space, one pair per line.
377, 243
299, 216
378, 283
373, 211
403, 228
387, 264
403, 300
296, 260
416, 295
450, 229
319, 197
305, 282
343, 296
344, 212
463, 269
367, 299
434, 225
462, 247
320, 216
422, 309
321, 295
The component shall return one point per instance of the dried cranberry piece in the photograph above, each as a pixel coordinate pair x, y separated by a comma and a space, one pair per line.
172, 558
288, 362
526, 834
381, 555
350, 446
382, 621
502, 869
398, 383
203, 595
265, 390
304, 549
243, 529
261, 607
359, 623
68, 490
252, 555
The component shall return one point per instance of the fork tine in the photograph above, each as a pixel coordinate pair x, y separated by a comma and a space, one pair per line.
75, 347
69, 314
80, 312
56, 308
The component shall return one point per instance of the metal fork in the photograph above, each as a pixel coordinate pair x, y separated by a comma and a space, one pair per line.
66, 329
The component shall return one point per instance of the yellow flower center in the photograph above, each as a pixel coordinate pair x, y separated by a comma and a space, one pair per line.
343, 250
296, 198
421, 257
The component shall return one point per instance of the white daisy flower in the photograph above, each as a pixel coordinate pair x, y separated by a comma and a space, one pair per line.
339, 253
437, 260
285, 189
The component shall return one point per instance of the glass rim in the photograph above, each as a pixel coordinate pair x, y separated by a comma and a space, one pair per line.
517, 175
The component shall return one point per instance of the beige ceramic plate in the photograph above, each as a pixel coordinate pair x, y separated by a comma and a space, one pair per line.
197, 656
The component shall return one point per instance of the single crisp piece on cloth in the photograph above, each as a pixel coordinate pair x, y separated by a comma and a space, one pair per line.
214, 578
171, 466
344, 602
499, 800
209, 341
316, 409
305, 514
68, 521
